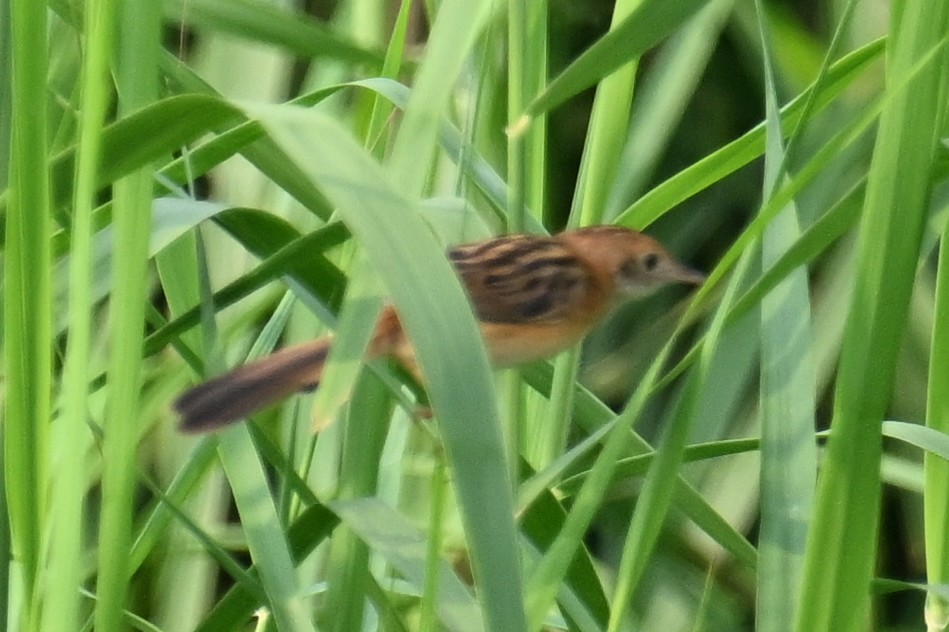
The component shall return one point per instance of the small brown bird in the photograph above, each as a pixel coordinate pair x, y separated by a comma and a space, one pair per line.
533, 296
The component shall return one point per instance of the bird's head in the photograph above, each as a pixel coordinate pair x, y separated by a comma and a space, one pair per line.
637, 263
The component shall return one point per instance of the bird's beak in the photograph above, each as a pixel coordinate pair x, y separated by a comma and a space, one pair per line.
684, 274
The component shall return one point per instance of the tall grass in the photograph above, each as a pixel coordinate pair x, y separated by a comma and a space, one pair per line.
191, 184
27, 314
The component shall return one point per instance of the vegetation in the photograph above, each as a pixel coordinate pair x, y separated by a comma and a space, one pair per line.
186, 185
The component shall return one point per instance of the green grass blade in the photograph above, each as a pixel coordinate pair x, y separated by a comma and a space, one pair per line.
357, 319
659, 488
456, 27
547, 574
266, 23
514, 405
541, 523
666, 88
593, 416
936, 495
64, 571
238, 605
841, 546
749, 146
139, 26
389, 534
6, 95
928, 440
651, 21
261, 524
286, 254
609, 121
787, 400
394, 57
598, 168
440, 324
263, 529
366, 428
517, 88
27, 308
150, 133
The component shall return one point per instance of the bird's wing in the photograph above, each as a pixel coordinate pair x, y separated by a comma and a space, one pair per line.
522, 279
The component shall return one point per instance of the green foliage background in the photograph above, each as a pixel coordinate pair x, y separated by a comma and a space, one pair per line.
188, 184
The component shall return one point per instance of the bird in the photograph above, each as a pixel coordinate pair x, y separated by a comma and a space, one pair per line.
533, 296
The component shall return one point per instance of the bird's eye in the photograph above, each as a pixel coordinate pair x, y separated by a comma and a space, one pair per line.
650, 262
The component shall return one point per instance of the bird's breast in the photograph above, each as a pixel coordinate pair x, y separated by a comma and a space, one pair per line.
510, 344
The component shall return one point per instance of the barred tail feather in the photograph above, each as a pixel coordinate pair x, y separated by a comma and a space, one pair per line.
252, 387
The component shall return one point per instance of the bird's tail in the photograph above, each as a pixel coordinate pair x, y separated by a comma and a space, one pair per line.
251, 387
230, 397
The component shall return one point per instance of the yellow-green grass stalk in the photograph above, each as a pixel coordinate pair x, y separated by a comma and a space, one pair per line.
137, 81
69, 463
